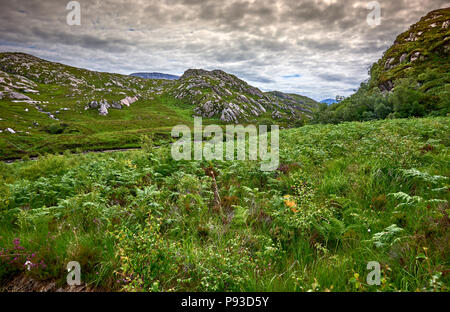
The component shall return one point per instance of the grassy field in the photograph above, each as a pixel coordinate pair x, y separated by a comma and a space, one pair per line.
65, 92
344, 195
86, 130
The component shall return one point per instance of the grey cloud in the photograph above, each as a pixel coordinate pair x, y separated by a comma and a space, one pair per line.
327, 42
336, 77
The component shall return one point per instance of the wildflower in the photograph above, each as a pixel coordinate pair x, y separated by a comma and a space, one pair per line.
291, 204
42, 264
28, 264
16, 243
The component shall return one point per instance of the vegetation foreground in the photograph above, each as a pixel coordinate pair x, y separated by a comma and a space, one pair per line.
344, 195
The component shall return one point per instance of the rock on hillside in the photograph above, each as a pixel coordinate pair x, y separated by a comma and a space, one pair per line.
13, 86
21, 74
212, 94
78, 81
424, 47
222, 95
293, 102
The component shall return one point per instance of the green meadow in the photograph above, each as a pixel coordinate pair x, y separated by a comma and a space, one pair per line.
343, 196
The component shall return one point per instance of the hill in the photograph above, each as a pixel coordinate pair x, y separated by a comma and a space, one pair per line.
224, 96
421, 51
411, 79
51, 107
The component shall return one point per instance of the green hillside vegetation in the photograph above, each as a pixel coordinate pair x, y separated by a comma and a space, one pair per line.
412, 79
363, 180
344, 195
52, 113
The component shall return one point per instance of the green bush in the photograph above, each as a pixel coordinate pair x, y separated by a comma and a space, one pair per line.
56, 128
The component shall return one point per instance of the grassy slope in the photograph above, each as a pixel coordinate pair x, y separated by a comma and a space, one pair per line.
139, 220
431, 42
85, 130
427, 78
156, 112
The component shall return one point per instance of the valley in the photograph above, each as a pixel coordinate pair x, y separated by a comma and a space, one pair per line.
358, 200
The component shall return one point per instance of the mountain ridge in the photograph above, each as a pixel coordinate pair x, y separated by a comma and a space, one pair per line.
411, 79
52, 107
155, 75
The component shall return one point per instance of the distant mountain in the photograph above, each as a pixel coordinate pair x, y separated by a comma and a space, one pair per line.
329, 101
155, 76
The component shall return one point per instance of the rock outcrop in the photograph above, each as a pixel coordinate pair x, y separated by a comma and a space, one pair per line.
232, 100
416, 49
103, 105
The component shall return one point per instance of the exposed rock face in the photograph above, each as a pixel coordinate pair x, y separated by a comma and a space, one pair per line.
116, 105
93, 104
18, 96
103, 110
276, 115
389, 63
104, 105
417, 48
403, 57
415, 57
218, 94
129, 100
387, 86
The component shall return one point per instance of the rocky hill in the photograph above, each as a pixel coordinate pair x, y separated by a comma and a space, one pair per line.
218, 94
412, 79
424, 48
47, 106
212, 94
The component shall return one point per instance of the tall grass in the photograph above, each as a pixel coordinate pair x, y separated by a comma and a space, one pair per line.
343, 196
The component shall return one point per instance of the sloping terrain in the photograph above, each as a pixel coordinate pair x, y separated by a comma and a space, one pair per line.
412, 79
51, 107
218, 94
423, 49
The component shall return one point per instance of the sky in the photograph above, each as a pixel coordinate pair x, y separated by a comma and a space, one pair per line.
317, 48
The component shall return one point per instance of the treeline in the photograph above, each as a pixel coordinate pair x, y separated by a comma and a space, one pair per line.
428, 95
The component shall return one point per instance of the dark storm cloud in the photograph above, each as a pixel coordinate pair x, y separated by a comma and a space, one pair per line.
336, 77
324, 46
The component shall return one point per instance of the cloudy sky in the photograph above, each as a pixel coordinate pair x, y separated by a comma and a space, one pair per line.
318, 48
